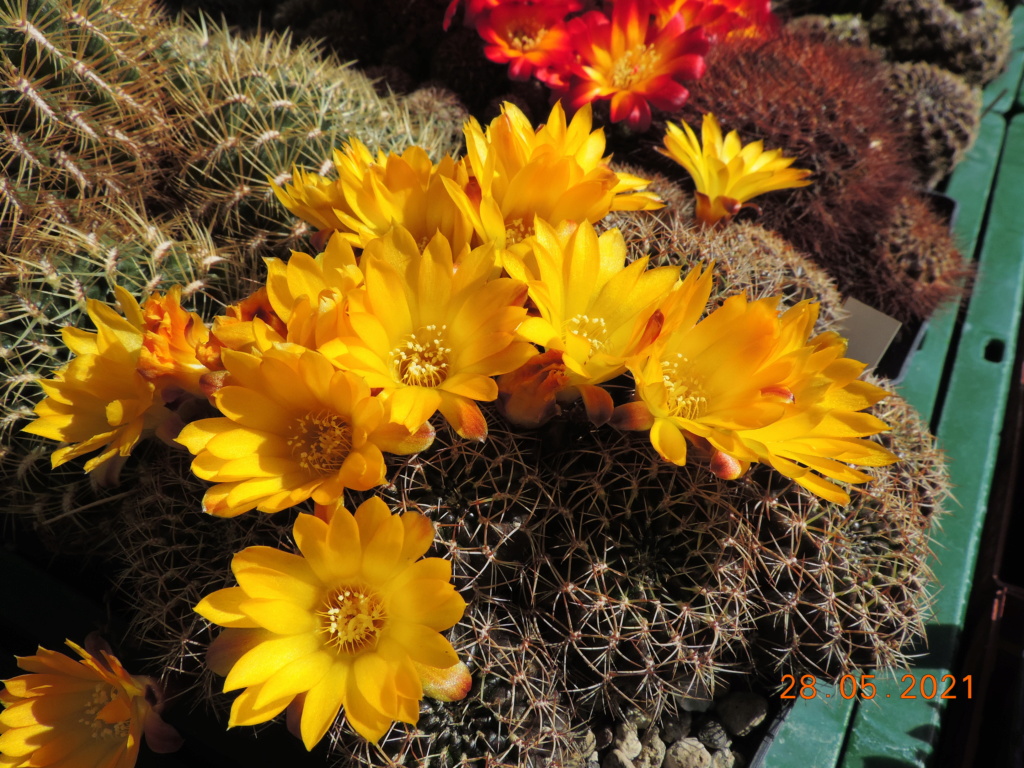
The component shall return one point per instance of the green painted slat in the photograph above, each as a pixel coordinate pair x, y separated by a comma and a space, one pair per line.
1001, 93
813, 732
969, 431
969, 185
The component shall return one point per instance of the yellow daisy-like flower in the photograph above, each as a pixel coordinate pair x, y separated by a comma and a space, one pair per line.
102, 399
593, 308
430, 334
746, 385
87, 713
310, 293
726, 173
557, 173
373, 193
314, 199
823, 430
294, 427
343, 624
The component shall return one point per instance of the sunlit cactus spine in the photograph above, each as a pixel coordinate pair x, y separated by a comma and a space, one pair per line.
84, 113
253, 108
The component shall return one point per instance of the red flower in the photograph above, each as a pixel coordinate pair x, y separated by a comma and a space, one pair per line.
531, 37
721, 18
634, 61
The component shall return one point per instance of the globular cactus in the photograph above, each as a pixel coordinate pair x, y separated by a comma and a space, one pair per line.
941, 113
918, 250
252, 108
856, 151
847, 29
972, 38
83, 110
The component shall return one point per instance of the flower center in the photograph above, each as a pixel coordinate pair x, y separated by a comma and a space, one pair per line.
684, 391
352, 618
102, 694
636, 65
525, 37
593, 329
516, 231
422, 360
321, 442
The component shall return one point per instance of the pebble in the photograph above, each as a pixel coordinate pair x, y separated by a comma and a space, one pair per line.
723, 758
674, 730
742, 711
616, 759
626, 740
713, 736
687, 753
653, 753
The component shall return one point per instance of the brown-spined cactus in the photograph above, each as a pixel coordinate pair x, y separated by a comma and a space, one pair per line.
941, 113
848, 29
972, 38
83, 110
253, 108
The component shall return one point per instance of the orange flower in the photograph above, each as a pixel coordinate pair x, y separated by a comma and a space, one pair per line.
87, 714
634, 61
531, 37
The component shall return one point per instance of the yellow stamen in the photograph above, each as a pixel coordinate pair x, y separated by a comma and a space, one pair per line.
422, 360
593, 329
684, 391
321, 442
635, 66
352, 618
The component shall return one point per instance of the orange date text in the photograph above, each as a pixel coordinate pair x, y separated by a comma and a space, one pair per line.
862, 687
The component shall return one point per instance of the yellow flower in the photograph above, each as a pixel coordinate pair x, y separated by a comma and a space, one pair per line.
371, 194
594, 309
87, 714
726, 173
557, 173
310, 293
314, 199
746, 385
101, 400
823, 430
406, 189
430, 334
171, 338
293, 428
342, 624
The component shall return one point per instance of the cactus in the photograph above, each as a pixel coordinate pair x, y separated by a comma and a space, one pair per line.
83, 109
972, 39
919, 249
941, 113
254, 108
849, 29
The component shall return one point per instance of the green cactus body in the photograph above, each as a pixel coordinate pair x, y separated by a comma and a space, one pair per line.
252, 109
83, 111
